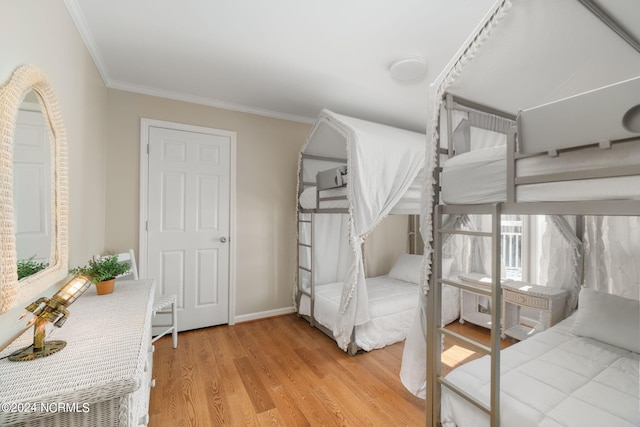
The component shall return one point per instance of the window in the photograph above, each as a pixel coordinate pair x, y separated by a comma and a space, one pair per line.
512, 232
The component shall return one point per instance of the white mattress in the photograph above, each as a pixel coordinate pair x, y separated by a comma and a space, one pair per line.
392, 306
480, 176
554, 378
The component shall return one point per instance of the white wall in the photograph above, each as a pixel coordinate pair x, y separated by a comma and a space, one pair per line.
41, 32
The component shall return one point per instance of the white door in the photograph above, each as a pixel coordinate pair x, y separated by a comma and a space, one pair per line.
32, 179
188, 221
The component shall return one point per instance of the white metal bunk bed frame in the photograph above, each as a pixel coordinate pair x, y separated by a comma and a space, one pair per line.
435, 331
353, 348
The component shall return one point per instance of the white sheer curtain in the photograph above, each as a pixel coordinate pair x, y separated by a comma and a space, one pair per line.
561, 258
468, 255
610, 260
612, 255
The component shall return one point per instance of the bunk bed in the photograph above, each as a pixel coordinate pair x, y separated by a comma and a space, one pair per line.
352, 174
559, 376
569, 374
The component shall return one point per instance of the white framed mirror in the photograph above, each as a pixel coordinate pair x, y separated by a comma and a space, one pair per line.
25, 80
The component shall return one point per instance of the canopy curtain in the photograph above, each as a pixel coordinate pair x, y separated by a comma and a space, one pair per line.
607, 259
612, 255
561, 258
468, 255
382, 163
381, 169
435, 102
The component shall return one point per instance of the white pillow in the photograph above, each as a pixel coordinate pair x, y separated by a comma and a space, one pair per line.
407, 268
608, 318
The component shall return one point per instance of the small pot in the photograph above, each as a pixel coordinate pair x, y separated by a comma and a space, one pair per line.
105, 287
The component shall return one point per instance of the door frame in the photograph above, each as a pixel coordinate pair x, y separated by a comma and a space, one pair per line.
145, 125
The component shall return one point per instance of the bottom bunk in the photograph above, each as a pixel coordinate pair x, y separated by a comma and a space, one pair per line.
392, 300
584, 371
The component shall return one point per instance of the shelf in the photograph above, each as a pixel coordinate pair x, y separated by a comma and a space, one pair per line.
519, 332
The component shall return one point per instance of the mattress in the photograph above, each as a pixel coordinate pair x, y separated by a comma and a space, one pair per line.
554, 378
392, 306
480, 176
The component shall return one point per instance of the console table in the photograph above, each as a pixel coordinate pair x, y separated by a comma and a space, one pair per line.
103, 375
550, 302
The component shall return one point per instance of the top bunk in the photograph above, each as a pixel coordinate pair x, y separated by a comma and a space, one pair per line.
350, 164
585, 147
570, 93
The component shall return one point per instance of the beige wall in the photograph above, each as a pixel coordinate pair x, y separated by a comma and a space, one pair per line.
382, 247
41, 32
267, 151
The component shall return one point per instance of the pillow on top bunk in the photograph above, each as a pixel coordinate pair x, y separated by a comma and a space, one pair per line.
608, 318
462, 137
407, 268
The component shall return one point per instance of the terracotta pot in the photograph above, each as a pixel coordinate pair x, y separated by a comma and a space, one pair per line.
105, 287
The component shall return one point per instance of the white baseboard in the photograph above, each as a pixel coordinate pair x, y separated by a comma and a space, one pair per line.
264, 314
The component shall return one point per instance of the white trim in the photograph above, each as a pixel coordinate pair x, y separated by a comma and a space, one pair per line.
264, 314
194, 99
81, 24
145, 124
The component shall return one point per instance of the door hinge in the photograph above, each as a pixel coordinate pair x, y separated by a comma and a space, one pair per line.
146, 225
147, 149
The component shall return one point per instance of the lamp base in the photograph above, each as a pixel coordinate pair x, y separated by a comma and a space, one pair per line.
28, 353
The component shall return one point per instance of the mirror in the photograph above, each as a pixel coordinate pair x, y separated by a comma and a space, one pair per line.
32, 180
29, 82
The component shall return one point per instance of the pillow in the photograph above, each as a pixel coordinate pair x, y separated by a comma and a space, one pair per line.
608, 318
407, 268
462, 137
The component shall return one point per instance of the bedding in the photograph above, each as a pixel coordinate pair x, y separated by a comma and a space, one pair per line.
554, 378
392, 306
480, 176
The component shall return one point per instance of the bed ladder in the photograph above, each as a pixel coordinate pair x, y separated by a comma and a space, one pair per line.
303, 247
435, 330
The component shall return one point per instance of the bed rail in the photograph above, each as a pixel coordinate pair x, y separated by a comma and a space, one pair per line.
513, 180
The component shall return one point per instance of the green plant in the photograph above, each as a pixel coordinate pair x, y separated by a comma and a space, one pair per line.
103, 268
27, 267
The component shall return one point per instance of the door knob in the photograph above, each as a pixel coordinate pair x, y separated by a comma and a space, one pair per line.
223, 239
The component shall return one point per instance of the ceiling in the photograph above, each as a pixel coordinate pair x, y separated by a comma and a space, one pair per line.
281, 58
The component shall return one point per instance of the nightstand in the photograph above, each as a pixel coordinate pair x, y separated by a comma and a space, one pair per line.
550, 301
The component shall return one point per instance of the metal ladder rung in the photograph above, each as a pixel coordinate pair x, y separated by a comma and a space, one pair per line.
465, 232
467, 287
468, 341
464, 395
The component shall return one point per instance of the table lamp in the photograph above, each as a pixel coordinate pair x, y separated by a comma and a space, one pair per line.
52, 310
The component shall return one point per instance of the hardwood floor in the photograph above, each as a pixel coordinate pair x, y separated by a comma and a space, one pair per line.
277, 371
454, 354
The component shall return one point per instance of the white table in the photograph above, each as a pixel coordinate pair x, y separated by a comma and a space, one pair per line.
103, 375
550, 301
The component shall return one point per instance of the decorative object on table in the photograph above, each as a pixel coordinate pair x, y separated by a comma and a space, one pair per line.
103, 271
52, 310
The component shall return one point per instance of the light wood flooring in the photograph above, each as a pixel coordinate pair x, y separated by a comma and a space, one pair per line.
280, 371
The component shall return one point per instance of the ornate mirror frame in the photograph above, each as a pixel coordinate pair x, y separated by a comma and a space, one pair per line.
12, 292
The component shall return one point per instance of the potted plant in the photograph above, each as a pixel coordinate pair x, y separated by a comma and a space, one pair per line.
103, 272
